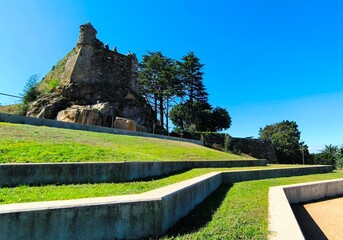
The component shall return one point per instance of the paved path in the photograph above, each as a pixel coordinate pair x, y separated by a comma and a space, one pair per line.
321, 220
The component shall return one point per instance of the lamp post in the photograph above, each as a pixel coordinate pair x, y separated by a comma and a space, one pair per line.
302, 153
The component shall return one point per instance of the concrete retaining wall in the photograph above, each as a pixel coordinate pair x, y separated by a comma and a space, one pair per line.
11, 118
239, 176
73, 173
181, 198
313, 191
121, 217
110, 218
282, 222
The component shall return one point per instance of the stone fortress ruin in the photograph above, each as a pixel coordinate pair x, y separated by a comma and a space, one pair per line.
94, 85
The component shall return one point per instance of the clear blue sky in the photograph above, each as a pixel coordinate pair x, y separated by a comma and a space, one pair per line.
265, 61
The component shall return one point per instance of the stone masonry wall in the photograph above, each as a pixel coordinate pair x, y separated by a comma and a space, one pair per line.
257, 148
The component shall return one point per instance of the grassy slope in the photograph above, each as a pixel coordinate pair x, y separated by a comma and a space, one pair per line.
57, 74
12, 109
239, 211
25, 143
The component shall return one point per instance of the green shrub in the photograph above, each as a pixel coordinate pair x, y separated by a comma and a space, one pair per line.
22, 109
219, 141
188, 135
53, 83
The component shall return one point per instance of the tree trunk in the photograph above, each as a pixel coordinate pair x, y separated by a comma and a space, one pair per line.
161, 112
167, 116
155, 104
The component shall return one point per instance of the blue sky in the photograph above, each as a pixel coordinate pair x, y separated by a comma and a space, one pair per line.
265, 61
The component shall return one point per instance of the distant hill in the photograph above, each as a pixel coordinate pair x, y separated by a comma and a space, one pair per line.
11, 109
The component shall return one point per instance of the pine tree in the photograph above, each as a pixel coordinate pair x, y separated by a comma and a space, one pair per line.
30, 92
190, 73
194, 113
159, 83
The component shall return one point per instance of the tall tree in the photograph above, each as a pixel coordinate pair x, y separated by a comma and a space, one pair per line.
199, 116
194, 113
285, 137
159, 83
190, 116
220, 120
190, 73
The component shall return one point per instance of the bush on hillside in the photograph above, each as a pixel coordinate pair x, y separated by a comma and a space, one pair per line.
219, 141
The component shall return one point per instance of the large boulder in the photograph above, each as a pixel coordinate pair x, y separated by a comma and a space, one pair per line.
125, 124
89, 114
47, 107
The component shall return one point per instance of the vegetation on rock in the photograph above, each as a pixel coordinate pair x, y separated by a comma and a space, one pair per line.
55, 77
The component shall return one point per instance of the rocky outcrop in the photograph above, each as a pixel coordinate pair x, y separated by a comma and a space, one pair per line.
47, 107
91, 73
92, 114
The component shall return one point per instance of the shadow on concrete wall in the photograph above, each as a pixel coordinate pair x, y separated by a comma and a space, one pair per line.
201, 215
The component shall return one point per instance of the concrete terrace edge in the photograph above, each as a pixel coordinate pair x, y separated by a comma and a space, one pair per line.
13, 118
282, 222
73, 173
122, 217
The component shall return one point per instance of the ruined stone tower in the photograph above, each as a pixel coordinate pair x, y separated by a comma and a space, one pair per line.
87, 34
91, 73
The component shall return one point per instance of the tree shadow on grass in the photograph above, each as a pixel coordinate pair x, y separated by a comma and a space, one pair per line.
201, 215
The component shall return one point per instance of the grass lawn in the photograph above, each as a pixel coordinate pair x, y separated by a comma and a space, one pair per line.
238, 211
25, 143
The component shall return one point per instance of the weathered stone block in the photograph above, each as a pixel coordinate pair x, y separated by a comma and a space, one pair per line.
90, 114
125, 124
